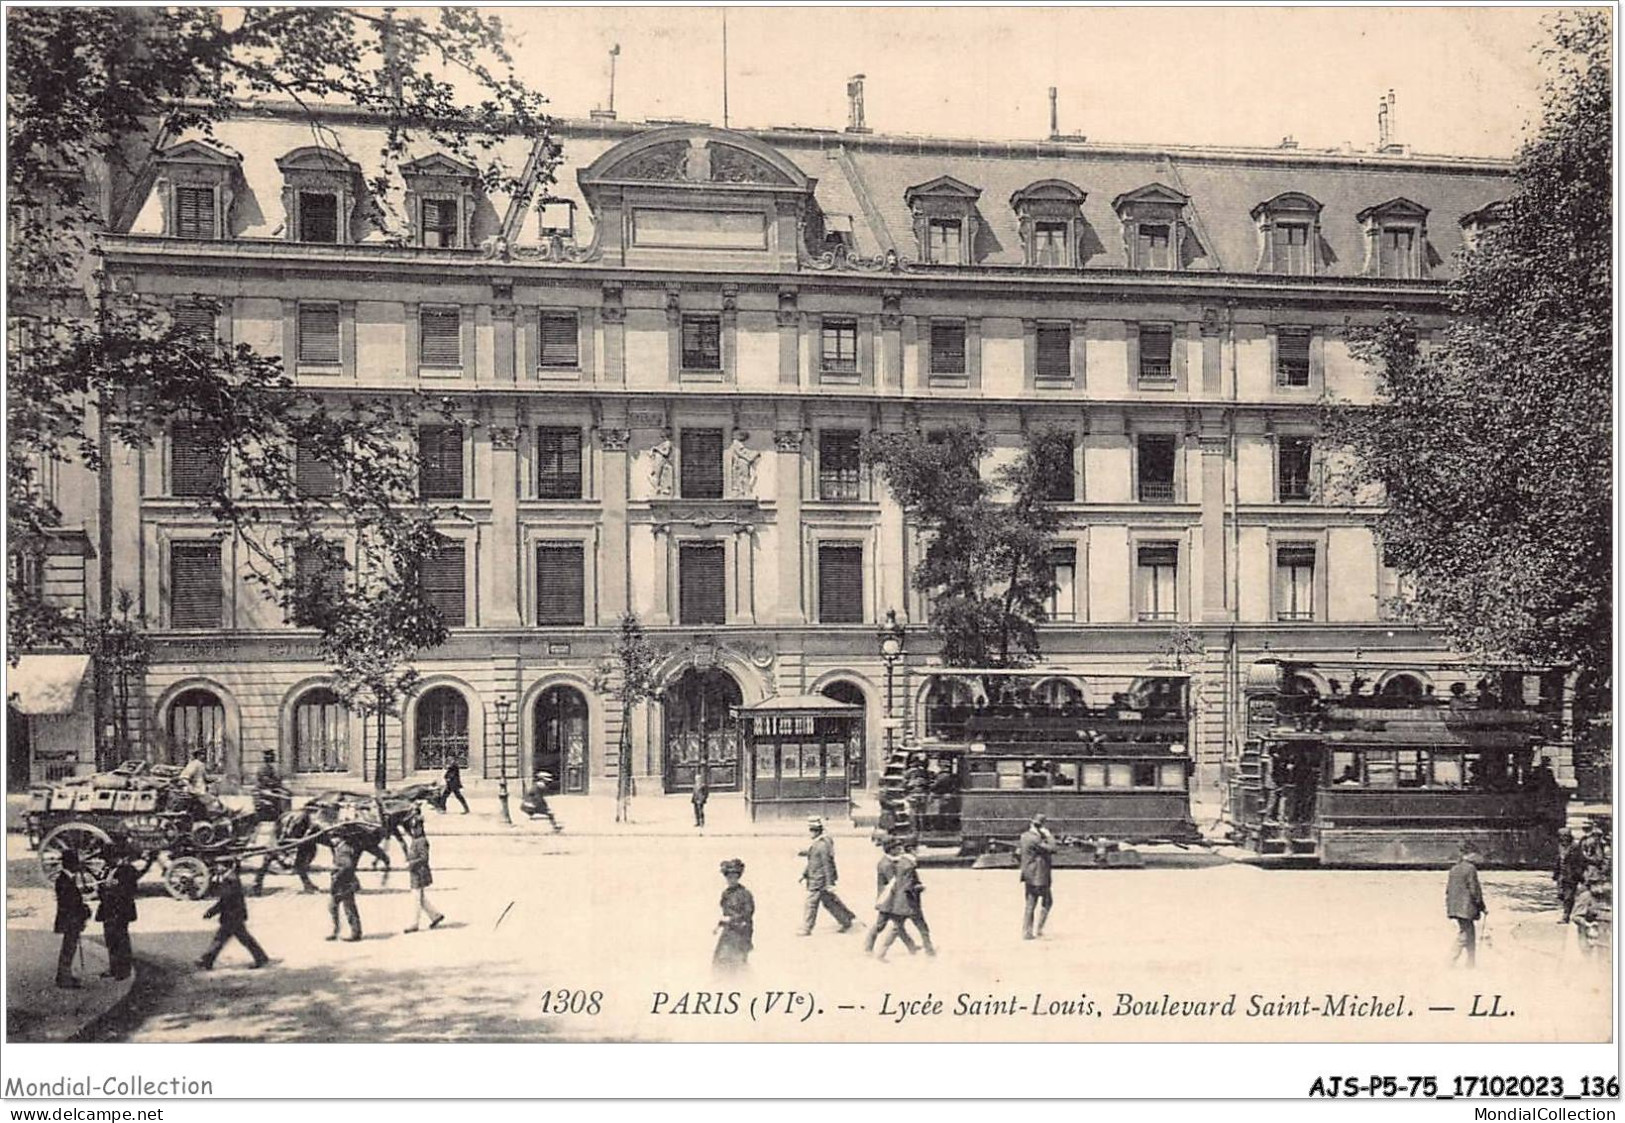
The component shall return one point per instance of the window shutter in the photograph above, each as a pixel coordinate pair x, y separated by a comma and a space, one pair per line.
439, 222
1292, 357
560, 585
558, 463
1054, 342
318, 575
197, 462
947, 348
443, 578
1156, 464
701, 464
1156, 352
195, 595
440, 338
1299, 554
319, 334
560, 341
1159, 554
840, 584
440, 461
312, 475
194, 321
1059, 484
194, 212
702, 579
318, 216
702, 343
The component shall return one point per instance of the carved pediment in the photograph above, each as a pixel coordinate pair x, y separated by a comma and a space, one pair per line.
659, 163
438, 164
695, 154
314, 158
1152, 196
200, 152
1401, 208
1050, 192
944, 187
1490, 214
1288, 202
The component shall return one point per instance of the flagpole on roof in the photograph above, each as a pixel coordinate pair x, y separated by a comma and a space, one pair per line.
725, 68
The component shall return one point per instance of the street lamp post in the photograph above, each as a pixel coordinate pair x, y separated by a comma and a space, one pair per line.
502, 705
891, 650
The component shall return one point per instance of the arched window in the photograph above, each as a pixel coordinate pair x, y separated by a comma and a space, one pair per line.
1057, 694
560, 748
1403, 687
321, 732
197, 720
948, 703
442, 733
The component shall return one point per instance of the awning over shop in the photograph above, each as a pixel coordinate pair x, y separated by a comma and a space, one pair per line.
46, 684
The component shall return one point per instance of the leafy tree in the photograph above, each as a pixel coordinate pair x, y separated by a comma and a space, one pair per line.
627, 675
1493, 449
987, 567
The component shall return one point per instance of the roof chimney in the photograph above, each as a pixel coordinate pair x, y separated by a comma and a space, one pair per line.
1288, 142
1388, 124
854, 105
1054, 115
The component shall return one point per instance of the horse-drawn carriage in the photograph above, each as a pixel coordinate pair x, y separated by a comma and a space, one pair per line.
142, 813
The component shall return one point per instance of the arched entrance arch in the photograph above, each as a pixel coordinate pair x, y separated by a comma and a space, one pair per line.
559, 738
441, 735
197, 720
1402, 685
857, 763
699, 727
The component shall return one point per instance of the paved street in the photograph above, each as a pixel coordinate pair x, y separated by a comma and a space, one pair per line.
632, 918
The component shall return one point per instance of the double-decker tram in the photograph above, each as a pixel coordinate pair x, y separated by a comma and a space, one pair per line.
1400, 777
1001, 745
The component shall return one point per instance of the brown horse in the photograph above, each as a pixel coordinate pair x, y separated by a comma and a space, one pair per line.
368, 822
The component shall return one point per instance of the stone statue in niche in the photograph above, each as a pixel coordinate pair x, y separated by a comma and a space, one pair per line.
662, 475
742, 460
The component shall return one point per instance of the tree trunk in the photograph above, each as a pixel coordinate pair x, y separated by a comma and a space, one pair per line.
380, 767
623, 768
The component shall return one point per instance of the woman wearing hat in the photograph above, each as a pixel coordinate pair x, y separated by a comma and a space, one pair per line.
738, 923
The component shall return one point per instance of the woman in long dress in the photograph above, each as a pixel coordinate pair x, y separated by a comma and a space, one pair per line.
738, 923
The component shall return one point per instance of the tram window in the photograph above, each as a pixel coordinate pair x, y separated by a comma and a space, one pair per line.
1094, 775
1173, 775
1010, 775
1035, 774
983, 774
1119, 775
1380, 771
1345, 768
1065, 774
1447, 771
1412, 768
1145, 773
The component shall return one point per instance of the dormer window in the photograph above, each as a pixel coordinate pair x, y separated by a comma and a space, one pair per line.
440, 195
1154, 231
1051, 216
320, 189
945, 220
1288, 234
1480, 222
1396, 239
195, 187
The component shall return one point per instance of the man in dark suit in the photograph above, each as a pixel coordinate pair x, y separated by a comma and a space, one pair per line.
820, 878
885, 875
1464, 903
1036, 853
117, 913
343, 888
454, 786
232, 909
1570, 872
71, 915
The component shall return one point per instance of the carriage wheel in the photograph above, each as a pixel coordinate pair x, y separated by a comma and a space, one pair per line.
187, 879
91, 843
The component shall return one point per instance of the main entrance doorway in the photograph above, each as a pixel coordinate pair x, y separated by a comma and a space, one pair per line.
560, 742
700, 727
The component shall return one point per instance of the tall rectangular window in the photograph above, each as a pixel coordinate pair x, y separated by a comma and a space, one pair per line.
1155, 452
439, 228
1294, 457
318, 216
702, 584
1292, 357
945, 241
1157, 574
194, 212
443, 577
194, 321
1291, 248
1054, 357
840, 583
559, 338
319, 334
702, 342
1156, 353
1154, 246
313, 476
1397, 246
839, 464
560, 584
838, 351
197, 460
440, 461
1049, 244
558, 462
1295, 582
440, 338
1059, 479
948, 347
196, 597
701, 464
1063, 601
318, 580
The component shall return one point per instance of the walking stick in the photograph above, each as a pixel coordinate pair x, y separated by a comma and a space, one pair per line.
501, 918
